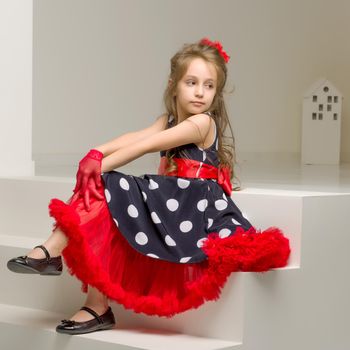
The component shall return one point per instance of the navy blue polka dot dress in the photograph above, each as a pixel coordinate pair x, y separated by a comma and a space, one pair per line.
169, 217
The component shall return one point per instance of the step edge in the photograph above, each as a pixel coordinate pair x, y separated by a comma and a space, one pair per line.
97, 336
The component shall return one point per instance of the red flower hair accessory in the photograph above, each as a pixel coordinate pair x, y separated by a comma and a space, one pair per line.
218, 46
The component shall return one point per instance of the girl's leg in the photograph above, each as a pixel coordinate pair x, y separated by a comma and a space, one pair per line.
94, 300
56, 242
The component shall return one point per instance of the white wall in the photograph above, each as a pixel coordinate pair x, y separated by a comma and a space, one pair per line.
100, 67
16, 50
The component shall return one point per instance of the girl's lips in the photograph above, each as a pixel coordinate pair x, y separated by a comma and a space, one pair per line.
198, 103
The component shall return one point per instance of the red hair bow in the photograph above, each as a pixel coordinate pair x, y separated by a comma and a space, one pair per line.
218, 46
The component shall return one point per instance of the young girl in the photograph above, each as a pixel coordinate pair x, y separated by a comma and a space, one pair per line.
159, 244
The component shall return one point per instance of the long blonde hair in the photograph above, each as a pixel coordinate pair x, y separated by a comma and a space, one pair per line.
179, 65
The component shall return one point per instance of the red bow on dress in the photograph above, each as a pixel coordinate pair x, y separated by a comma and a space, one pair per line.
195, 169
224, 179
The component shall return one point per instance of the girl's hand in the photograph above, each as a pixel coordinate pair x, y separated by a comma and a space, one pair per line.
90, 189
89, 177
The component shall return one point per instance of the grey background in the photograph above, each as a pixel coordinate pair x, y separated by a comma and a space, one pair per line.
100, 68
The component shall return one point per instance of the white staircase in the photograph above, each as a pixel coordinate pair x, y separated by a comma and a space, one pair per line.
304, 305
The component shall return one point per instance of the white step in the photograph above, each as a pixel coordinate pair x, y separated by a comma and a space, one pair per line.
306, 308
259, 311
25, 328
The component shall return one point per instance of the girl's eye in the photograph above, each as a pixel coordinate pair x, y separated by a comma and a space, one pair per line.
209, 85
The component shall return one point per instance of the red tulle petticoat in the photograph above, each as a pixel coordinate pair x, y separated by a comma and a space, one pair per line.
98, 255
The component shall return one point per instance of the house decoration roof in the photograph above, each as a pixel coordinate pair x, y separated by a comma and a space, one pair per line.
313, 89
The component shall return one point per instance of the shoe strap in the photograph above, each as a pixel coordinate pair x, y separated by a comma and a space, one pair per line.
45, 251
93, 313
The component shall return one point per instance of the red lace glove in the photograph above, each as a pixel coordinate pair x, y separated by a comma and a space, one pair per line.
89, 177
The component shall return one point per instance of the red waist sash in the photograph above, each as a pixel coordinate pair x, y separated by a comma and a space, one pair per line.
193, 168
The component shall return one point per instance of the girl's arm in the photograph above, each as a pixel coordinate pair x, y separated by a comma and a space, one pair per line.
188, 131
132, 137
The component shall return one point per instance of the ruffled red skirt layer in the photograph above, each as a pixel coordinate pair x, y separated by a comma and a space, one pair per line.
99, 255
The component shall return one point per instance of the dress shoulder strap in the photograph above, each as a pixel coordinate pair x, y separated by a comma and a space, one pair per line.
215, 127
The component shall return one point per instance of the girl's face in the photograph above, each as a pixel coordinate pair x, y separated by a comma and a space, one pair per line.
196, 90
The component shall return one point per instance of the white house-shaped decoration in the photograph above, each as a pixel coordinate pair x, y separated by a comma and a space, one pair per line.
322, 106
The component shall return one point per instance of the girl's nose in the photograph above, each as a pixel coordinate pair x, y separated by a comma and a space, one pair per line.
199, 91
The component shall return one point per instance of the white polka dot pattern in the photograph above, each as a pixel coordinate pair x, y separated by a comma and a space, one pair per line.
155, 218
169, 241
141, 238
200, 242
186, 226
235, 221
152, 185
220, 204
124, 184
202, 204
107, 195
224, 232
132, 211
172, 204
182, 183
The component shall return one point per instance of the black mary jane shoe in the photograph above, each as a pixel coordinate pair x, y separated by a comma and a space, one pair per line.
98, 323
45, 266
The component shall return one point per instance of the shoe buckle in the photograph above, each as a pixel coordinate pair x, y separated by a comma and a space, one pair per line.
68, 322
